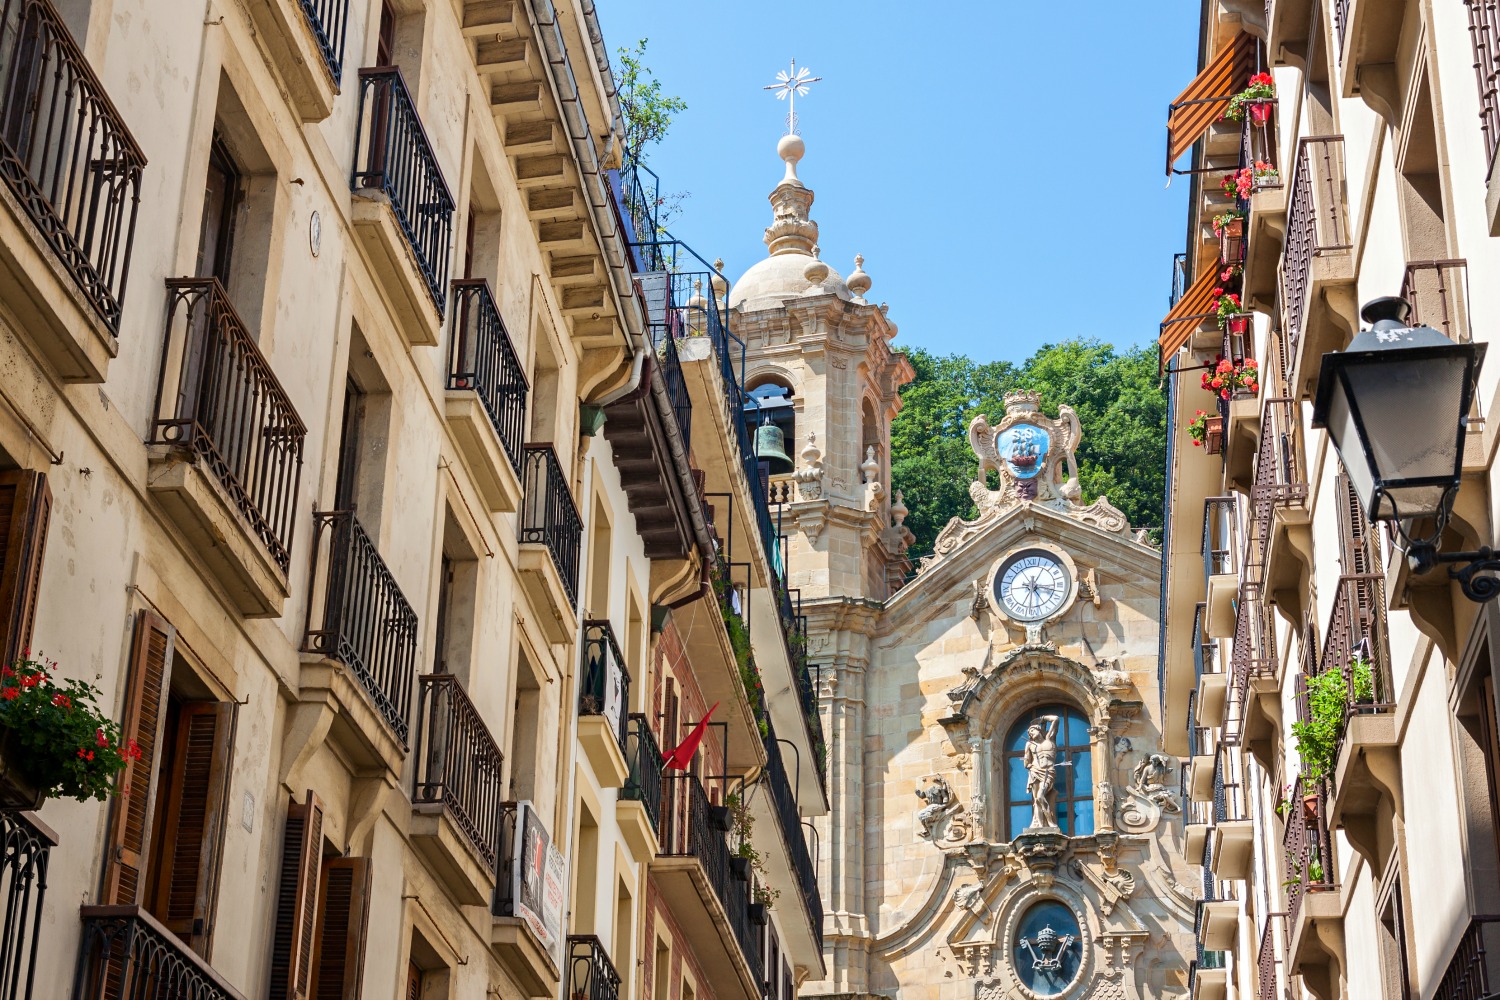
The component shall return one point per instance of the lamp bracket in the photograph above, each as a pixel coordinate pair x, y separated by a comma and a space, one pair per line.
1479, 577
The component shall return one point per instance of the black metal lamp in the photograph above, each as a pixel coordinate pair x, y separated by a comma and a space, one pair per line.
1396, 404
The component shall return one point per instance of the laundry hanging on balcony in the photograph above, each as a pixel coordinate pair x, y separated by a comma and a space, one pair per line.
1188, 312
1206, 98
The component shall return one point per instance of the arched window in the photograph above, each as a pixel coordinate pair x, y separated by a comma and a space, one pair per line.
1074, 783
769, 405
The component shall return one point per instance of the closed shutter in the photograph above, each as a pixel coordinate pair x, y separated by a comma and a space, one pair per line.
1359, 545
344, 916
413, 982
145, 703
25, 507
196, 790
297, 901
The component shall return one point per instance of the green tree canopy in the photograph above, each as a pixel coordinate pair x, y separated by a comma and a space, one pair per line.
1119, 400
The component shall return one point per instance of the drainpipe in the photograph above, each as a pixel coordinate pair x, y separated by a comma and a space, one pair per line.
637, 364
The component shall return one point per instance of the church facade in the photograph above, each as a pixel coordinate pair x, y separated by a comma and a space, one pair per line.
1003, 822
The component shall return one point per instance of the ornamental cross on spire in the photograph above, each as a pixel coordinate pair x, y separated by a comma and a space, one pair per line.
789, 85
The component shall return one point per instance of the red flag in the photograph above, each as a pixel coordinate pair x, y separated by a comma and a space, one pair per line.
681, 755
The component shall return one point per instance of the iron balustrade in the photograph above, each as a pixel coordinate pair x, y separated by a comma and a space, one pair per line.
548, 515
66, 154
393, 155
1267, 982
812, 718
790, 820
638, 201
1484, 38
458, 763
1438, 291
223, 403
1307, 849
1220, 537
1214, 890
23, 880
686, 831
591, 975
1179, 279
481, 358
328, 20
1468, 974
1229, 796
1254, 653
644, 757
1258, 145
367, 623
1280, 479
125, 952
605, 687
677, 390
504, 903
1340, 20
1357, 633
1317, 223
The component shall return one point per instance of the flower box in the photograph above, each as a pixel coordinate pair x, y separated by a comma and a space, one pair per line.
757, 914
718, 818
740, 868
1213, 438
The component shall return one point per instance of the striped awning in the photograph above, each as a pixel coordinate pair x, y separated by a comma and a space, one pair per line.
1197, 107
1191, 310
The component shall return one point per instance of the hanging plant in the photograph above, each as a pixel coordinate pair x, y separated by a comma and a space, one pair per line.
1264, 174
1227, 220
1227, 379
1198, 427
1226, 307
1261, 87
1328, 699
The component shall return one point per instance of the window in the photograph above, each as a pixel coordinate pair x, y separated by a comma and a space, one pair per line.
427, 975
526, 728
322, 913
1073, 792
1395, 976
221, 196
770, 416
166, 837
458, 583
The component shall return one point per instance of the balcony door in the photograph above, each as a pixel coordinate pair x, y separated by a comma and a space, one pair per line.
222, 190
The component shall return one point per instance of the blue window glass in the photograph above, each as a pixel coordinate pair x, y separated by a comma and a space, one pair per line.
1048, 948
1074, 776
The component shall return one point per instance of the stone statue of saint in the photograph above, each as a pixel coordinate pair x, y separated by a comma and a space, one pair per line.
1149, 780
1040, 761
937, 796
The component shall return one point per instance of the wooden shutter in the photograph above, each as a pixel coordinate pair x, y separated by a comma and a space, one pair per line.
413, 981
1357, 542
297, 900
343, 919
25, 507
145, 703
196, 791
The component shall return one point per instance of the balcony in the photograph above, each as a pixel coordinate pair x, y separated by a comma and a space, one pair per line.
520, 938
603, 700
1268, 964
1198, 819
1217, 922
1211, 702
1201, 757
1317, 289
1233, 835
1265, 208
1314, 903
72, 187
1288, 25
1221, 553
551, 539
485, 404
125, 952
1366, 794
226, 447
591, 975
402, 211
27, 847
1475, 964
638, 807
364, 644
1207, 976
780, 636
456, 790
1438, 291
1369, 37
711, 906
305, 43
1253, 676
1279, 555
790, 868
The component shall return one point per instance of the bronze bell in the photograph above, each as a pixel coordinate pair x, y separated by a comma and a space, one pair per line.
770, 447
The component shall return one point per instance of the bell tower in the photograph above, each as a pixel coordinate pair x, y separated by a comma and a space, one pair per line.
823, 384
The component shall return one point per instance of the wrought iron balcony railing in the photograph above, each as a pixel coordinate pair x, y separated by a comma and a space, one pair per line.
458, 763
548, 515
785, 801
677, 306
1221, 532
686, 831
328, 19
1469, 973
224, 404
394, 155
66, 154
1258, 148
1229, 790
1438, 291
1356, 646
1317, 223
23, 882
1254, 642
1267, 982
1280, 479
366, 623
591, 975
125, 952
1484, 37
1307, 848
481, 358
605, 685
644, 757
504, 903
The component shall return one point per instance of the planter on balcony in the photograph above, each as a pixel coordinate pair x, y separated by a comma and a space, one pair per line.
740, 868
718, 818
1213, 438
758, 914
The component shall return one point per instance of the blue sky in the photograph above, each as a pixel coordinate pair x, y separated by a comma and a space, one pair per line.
998, 163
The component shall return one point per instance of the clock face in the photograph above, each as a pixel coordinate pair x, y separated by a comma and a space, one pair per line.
1032, 585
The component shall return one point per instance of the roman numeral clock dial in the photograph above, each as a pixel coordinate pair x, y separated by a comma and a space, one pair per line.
1032, 585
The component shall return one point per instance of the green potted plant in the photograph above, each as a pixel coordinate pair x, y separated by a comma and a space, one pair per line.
1231, 313
1207, 431
1328, 699
1254, 99
54, 740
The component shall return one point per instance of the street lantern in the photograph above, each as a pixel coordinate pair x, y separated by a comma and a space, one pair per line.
1396, 405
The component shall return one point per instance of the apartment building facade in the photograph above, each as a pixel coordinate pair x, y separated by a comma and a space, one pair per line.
1333, 705
363, 486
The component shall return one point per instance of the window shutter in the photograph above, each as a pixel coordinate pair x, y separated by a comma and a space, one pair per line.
145, 701
25, 506
1358, 543
413, 982
343, 918
197, 791
297, 900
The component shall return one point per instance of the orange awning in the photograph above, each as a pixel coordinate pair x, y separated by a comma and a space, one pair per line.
1190, 310
1204, 100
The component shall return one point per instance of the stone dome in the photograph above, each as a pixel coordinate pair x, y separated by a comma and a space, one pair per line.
771, 281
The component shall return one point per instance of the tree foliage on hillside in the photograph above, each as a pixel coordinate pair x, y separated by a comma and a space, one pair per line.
1119, 400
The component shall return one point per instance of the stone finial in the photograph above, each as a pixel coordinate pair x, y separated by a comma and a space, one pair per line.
858, 281
717, 281
898, 509
869, 467
791, 149
697, 310
815, 272
792, 229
